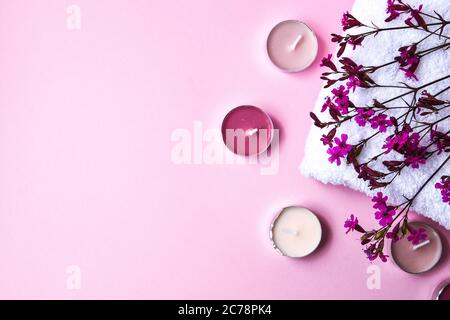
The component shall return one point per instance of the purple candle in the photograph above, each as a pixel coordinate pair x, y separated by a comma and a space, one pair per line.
421, 257
247, 130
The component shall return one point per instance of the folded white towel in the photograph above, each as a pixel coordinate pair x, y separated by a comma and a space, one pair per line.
375, 51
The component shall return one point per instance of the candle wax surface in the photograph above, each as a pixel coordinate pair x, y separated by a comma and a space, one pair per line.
421, 259
292, 46
247, 130
296, 232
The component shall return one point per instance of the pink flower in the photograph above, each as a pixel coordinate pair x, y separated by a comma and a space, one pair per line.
348, 21
340, 92
380, 201
415, 161
341, 99
394, 9
382, 257
385, 216
385, 213
393, 13
381, 122
326, 62
353, 83
351, 223
409, 60
393, 236
416, 15
444, 186
363, 116
326, 140
398, 140
417, 236
412, 145
355, 41
409, 73
371, 252
328, 104
340, 150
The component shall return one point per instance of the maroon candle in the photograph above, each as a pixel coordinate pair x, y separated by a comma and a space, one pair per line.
442, 291
421, 257
247, 130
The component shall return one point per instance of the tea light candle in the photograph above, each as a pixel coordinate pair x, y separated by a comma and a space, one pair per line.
421, 257
296, 232
247, 130
292, 46
442, 292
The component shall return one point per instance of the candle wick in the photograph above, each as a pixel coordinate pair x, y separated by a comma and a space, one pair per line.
296, 42
422, 244
291, 232
251, 132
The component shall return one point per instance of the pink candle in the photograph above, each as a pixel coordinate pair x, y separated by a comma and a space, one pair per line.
247, 130
292, 46
421, 257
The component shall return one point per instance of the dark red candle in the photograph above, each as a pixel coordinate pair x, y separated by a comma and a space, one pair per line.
442, 292
247, 130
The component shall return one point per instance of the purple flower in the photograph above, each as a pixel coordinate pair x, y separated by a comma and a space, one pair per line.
328, 104
326, 62
351, 67
340, 92
393, 13
444, 186
428, 102
340, 150
415, 161
436, 137
393, 236
341, 99
348, 21
380, 201
381, 121
326, 140
385, 216
409, 60
363, 116
394, 9
417, 236
382, 257
353, 83
355, 41
397, 141
371, 252
416, 15
412, 144
384, 212
351, 223
409, 73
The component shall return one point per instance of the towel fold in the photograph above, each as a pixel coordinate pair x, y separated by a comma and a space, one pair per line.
376, 51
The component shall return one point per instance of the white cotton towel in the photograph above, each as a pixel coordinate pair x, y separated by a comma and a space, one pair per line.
376, 51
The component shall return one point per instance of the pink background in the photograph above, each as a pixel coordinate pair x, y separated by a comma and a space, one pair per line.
86, 177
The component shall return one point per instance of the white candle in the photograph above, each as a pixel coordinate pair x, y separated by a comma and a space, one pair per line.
296, 232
